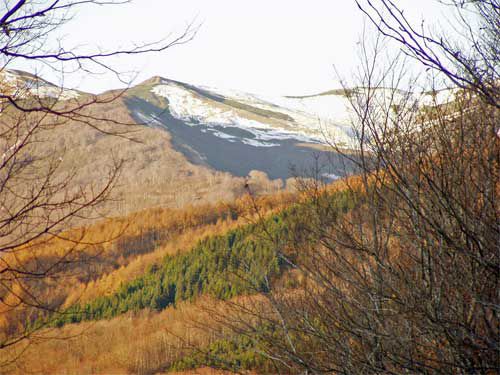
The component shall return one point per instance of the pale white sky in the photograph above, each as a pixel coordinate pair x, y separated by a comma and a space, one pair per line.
262, 46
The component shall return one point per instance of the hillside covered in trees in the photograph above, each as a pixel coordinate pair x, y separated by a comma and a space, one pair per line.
140, 232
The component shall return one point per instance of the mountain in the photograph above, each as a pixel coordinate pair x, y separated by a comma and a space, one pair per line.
21, 84
198, 144
194, 144
168, 276
237, 132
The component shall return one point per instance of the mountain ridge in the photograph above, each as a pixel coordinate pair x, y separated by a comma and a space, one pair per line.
191, 130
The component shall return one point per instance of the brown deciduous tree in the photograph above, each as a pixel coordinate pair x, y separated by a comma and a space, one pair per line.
408, 280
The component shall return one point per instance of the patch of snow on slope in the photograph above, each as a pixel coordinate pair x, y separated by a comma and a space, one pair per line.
320, 117
337, 109
23, 85
54, 92
148, 119
327, 108
184, 105
221, 134
255, 143
189, 107
9, 77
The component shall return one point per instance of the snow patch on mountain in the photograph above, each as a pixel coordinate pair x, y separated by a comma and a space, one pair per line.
184, 105
315, 120
325, 117
53, 92
334, 109
331, 176
21, 85
256, 143
188, 106
148, 119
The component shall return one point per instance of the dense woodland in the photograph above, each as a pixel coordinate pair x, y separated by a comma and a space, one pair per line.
118, 250
245, 260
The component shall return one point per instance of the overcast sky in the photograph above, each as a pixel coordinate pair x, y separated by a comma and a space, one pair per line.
262, 46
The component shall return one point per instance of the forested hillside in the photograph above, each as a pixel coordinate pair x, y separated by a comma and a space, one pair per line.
178, 228
116, 251
244, 261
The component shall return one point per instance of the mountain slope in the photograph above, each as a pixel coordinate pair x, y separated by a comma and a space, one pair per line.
21, 84
199, 144
237, 132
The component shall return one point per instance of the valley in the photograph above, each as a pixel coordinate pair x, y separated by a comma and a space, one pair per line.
170, 227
